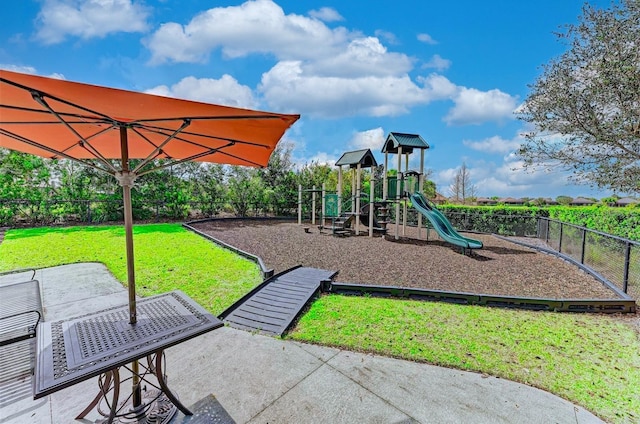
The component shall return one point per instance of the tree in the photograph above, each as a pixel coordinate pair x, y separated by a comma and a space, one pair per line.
462, 189
429, 189
585, 106
209, 187
280, 180
538, 201
24, 178
279, 166
245, 189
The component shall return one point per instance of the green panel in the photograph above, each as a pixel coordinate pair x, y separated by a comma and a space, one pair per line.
392, 187
413, 184
331, 205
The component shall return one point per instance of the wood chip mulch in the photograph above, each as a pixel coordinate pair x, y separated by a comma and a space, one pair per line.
500, 268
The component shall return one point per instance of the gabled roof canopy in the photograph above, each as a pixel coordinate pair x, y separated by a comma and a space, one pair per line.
352, 159
407, 141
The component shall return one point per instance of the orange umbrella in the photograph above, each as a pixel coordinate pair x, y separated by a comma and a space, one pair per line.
92, 124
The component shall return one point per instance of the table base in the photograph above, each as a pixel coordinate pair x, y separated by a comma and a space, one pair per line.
158, 404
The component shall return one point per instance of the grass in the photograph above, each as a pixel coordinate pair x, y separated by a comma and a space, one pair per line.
592, 360
167, 257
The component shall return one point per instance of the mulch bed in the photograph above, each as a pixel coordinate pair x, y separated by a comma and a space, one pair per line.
500, 268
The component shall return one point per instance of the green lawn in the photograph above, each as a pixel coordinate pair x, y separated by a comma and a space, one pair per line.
167, 257
593, 360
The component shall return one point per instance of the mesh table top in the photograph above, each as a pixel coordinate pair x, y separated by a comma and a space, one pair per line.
74, 350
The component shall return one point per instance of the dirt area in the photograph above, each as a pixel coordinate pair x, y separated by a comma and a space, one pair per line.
500, 268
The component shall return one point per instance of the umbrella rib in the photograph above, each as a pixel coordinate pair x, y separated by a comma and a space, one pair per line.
54, 152
242, 159
161, 130
190, 158
40, 94
93, 151
209, 118
84, 142
37, 96
158, 148
86, 119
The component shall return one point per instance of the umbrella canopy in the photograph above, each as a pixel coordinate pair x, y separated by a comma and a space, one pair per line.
94, 125
57, 118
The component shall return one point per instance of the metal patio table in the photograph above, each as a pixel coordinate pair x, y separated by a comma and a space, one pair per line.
101, 343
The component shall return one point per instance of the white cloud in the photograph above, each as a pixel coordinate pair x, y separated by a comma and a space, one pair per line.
288, 84
426, 38
444, 177
437, 62
362, 56
509, 179
495, 144
323, 158
389, 37
322, 71
261, 26
88, 19
438, 86
370, 139
29, 70
256, 26
224, 91
490, 179
19, 68
473, 106
326, 14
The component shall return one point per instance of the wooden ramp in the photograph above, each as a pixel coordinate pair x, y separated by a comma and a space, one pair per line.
272, 307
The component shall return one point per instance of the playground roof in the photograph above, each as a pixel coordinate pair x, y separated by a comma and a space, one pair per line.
407, 141
352, 159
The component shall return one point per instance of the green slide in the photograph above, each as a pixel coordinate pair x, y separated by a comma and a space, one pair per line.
442, 225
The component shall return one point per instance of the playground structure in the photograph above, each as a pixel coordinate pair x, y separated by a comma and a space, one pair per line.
348, 216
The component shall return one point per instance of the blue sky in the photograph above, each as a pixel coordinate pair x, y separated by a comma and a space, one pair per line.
451, 71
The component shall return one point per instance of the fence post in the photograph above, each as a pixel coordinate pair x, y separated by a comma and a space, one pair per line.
627, 264
584, 243
299, 204
324, 204
560, 241
313, 205
548, 226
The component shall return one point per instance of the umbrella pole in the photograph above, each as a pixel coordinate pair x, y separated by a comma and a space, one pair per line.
126, 180
128, 228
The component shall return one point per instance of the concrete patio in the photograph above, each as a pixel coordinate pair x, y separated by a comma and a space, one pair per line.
259, 379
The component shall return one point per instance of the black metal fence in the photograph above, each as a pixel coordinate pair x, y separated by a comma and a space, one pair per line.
615, 258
